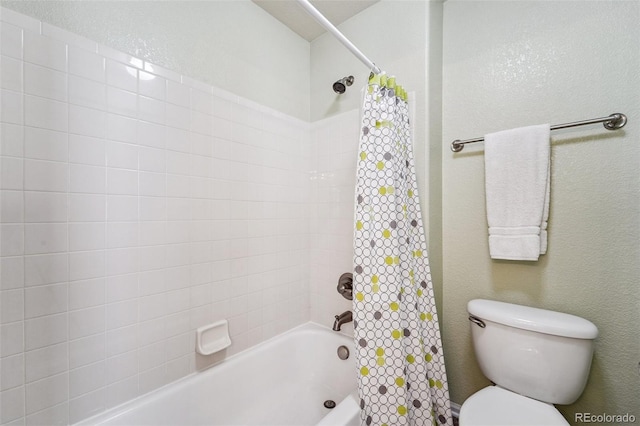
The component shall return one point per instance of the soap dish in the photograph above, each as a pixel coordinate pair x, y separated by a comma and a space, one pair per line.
213, 338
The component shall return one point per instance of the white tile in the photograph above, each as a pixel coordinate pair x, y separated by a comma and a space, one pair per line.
122, 340
45, 82
86, 405
42, 238
122, 155
151, 85
122, 314
11, 140
152, 257
86, 64
86, 121
11, 372
86, 293
178, 139
45, 300
87, 179
201, 144
86, 265
151, 134
152, 159
11, 173
121, 366
45, 51
152, 233
12, 107
11, 338
151, 282
201, 123
45, 207
121, 102
85, 236
11, 77
46, 362
122, 234
122, 182
150, 109
202, 102
152, 184
87, 208
150, 307
153, 209
12, 303
178, 186
150, 332
45, 176
12, 405
45, 331
45, 113
121, 128
12, 206
46, 269
12, 240
86, 350
87, 93
43, 144
177, 116
122, 76
86, 379
11, 40
178, 94
122, 261
86, 150
86, 322
122, 208
11, 273
46, 393
122, 287
121, 391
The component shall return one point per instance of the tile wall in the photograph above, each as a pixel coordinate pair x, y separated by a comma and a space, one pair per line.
136, 205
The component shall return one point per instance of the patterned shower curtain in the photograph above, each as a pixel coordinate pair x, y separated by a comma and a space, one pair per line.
402, 378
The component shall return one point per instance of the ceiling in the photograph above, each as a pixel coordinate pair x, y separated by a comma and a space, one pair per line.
290, 13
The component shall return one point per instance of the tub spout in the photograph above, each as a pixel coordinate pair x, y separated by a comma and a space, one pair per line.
343, 318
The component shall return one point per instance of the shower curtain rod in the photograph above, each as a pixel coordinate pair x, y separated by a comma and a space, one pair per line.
320, 18
612, 122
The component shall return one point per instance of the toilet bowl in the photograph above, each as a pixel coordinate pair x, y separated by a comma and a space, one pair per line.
535, 358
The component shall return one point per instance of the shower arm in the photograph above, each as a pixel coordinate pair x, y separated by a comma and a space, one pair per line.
320, 18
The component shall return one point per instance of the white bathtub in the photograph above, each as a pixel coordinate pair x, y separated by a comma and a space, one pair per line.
283, 381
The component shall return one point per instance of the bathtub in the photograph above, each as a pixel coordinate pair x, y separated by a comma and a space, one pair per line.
283, 381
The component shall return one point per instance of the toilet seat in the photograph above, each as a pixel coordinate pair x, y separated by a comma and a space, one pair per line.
495, 406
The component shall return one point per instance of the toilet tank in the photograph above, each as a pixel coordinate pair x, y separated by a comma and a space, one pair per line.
537, 353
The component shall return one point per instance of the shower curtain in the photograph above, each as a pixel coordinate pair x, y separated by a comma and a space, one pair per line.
401, 372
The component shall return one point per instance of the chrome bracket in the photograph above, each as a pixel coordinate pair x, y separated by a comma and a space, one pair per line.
477, 321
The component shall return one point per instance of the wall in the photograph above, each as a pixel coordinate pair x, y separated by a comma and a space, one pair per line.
136, 204
206, 40
405, 40
510, 64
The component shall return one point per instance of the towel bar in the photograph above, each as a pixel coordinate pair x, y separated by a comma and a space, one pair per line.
612, 122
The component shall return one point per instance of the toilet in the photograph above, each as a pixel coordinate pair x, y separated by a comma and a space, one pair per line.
535, 358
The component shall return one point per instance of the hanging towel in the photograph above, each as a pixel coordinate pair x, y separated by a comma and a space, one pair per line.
517, 185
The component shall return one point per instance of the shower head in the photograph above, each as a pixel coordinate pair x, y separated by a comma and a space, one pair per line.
340, 86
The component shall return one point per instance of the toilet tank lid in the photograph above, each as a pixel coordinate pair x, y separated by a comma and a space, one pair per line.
533, 319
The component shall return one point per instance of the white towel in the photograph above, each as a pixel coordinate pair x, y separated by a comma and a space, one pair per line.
517, 184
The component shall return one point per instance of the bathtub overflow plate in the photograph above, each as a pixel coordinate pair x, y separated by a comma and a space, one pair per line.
343, 352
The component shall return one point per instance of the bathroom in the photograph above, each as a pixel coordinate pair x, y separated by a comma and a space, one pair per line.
106, 274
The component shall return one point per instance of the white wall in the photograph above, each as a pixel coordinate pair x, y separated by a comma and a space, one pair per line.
206, 40
135, 206
510, 64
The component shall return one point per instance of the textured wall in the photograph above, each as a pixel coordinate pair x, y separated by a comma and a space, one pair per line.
207, 40
510, 64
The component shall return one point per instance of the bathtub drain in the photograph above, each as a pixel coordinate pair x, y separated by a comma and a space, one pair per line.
329, 404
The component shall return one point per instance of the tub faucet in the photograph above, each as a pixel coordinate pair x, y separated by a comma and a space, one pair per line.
343, 318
